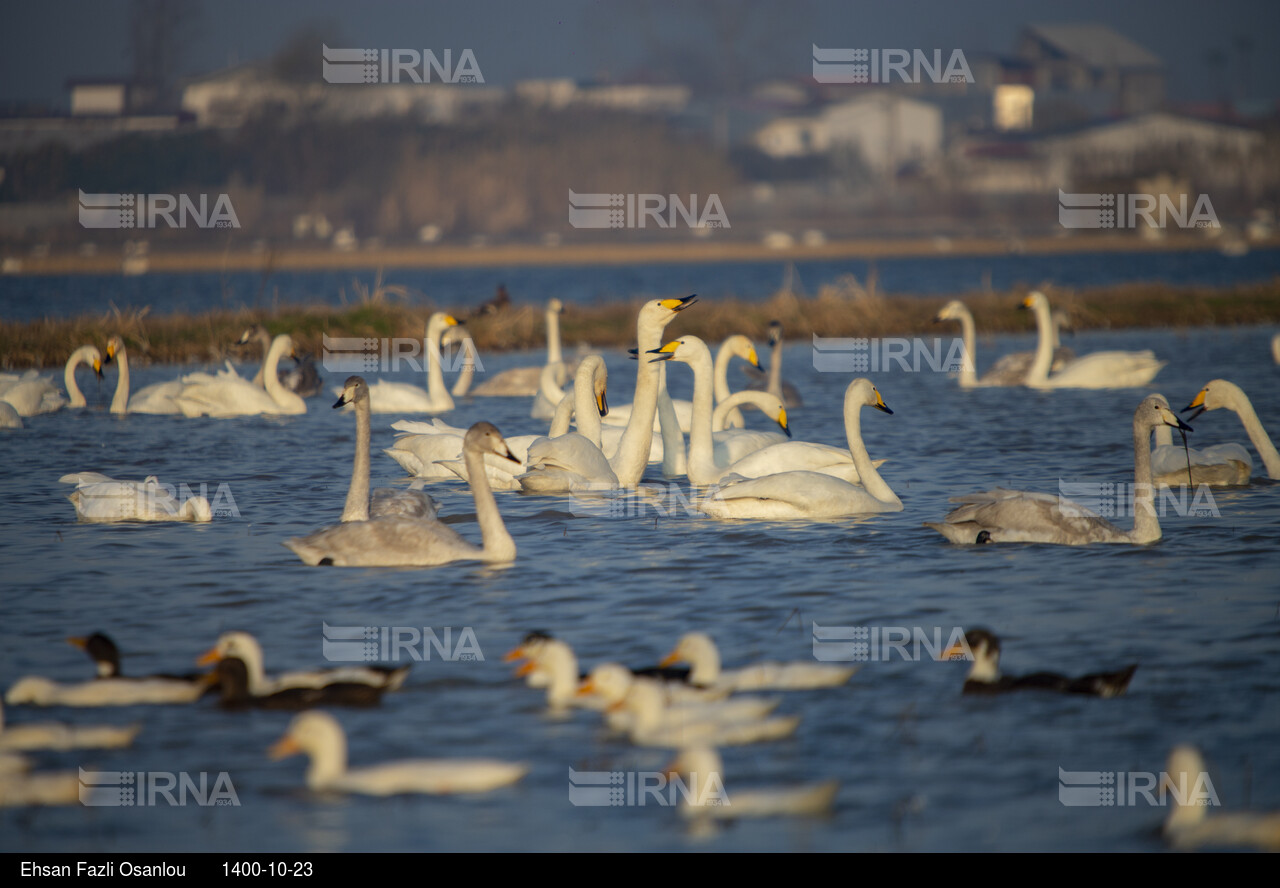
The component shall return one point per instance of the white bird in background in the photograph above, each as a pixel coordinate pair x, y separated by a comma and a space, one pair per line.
1191, 824
157, 398
1017, 516
303, 380
101, 499
1218, 393
244, 647
1099, 370
318, 735
229, 394
525, 381
700, 652
402, 397
708, 797
31, 394
55, 735
773, 383
1011, 369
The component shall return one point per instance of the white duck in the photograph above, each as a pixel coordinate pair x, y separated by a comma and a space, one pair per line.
703, 770
416, 542
616, 685
55, 735
1017, 516
402, 397
1011, 369
228, 394
808, 494
1190, 825
700, 652
318, 735
1219, 393
550, 663
244, 647
101, 499
1109, 369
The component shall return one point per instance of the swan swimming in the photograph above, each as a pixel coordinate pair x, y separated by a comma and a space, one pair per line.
1099, 370
1218, 393
1220, 465
303, 380
157, 398
416, 542
1017, 516
100, 499
229, 394
1011, 369
573, 462
403, 397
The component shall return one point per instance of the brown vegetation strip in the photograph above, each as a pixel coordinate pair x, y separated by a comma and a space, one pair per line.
843, 309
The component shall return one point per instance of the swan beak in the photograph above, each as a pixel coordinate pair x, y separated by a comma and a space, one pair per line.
880, 405
111, 351
754, 359
82, 643
633, 353
1182, 425
283, 748
1026, 302
602, 405
666, 353
506, 453
450, 321
679, 304
209, 657
516, 653
97, 367
669, 659
1198, 402
341, 402
782, 421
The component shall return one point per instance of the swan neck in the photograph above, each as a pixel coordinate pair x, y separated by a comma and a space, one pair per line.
702, 463
1038, 375
69, 379
357, 507
871, 480
467, 374
1257, 434
584, 402
674, 459
553, 337
1146, 526
271, 374
560, 420
435, 374
720, 416
497, 542
120, 403
775, 369
632, 456
968, 370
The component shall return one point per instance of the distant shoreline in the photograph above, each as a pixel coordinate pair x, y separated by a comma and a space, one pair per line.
843, 309
299, 258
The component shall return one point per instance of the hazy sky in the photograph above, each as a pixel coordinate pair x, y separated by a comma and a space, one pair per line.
44, 44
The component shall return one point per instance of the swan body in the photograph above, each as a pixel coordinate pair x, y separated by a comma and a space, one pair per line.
1220, 465
700, 652
1218, 393
244, 647
1099, 370
709, 798
55, 735
9, 417
403, 397
1191, 825
100, 499
574, 462
1010, 369
806, 494
31, 395
231, 395
1016, 516
303, 380
318, 735
409, 542
525, 381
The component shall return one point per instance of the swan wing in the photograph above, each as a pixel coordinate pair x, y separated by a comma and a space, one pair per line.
1022, 516
388, 502
384, 542
791, 495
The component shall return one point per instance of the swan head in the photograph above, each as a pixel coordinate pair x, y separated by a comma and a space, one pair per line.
485, 438
1154, 411
775, 333
103, 651
115, 346
592, 371
555, 306
354, 389
659, 312
741, 347
438, 323
1035, 301
610, 681
983, 648
32, 689
686, 350
1217, 393
88, 354
256, 333
863, 392
954, 310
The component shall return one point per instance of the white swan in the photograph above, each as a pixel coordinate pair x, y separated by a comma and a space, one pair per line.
385, 501
101, 499
244, 647
808, 494
1190, 823
415, 542
1109, 369
228, 394
574, 462
1219, 393
524, 381
85, 354
403, 397
55, 735
1017, 516
303, 380
710, 454
708, 797
31, 394
1011, 369
1275, 348
157, 398
773, 383
1220, 465
461, 336
9, 417
699, 651
318, 735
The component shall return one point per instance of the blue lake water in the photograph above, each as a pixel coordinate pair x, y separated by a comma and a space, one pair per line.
38, 296
921, 766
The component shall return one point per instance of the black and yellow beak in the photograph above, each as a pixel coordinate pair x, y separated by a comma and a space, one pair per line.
1198, 402
782, 421
342, 401
97, 367
602, 404
450, 321
679, 304
111, 351
755, 361
666, 353
1027, 302
879, 404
